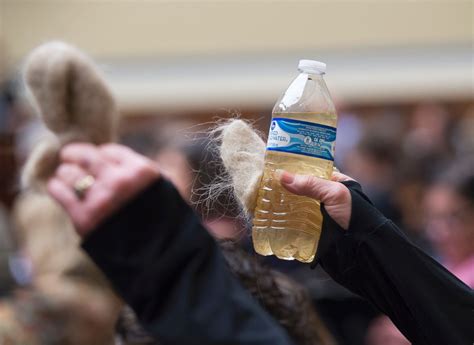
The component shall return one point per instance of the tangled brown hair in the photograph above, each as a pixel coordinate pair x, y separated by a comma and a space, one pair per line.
288, 302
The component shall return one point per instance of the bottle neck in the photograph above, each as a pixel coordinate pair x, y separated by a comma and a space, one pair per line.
307, 93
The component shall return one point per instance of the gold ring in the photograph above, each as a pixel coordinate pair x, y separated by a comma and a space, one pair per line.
82, 185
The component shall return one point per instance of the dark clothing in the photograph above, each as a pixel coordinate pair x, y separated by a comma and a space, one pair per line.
375, 260
169, 269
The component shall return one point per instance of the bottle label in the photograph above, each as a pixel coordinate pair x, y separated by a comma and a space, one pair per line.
302, 138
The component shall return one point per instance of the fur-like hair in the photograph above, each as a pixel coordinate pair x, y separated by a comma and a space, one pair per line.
75, 104
242, 152
72, 100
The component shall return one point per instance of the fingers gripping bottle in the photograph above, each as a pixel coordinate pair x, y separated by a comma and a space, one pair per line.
301, 140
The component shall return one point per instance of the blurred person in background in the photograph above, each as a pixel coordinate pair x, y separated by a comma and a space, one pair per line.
349, 132
448, 213
210, 195
426, 149
428, 136
449, 218
189, 159
463, 133
373, 163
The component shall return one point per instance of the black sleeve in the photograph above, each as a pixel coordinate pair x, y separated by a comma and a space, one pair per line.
374, 259
170, 271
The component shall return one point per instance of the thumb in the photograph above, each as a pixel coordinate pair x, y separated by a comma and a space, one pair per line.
334, 195
328, 192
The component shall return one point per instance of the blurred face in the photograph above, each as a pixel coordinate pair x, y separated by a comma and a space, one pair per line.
449, 220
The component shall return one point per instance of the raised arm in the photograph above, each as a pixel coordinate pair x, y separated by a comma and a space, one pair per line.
155, 252
368, 254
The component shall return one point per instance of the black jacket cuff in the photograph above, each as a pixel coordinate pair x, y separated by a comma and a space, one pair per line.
336, 245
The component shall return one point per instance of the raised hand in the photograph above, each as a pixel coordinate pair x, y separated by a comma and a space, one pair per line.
92, 182
333, 194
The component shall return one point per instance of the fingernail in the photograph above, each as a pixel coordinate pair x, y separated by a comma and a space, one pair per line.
284, 176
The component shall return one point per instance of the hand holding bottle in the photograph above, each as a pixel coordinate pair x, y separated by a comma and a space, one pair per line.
333, 194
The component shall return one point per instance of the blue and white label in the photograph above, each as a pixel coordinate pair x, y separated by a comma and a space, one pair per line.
302, 138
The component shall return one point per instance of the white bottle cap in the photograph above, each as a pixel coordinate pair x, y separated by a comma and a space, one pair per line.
312, 66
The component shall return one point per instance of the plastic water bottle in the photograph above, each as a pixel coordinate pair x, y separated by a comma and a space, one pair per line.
301, 140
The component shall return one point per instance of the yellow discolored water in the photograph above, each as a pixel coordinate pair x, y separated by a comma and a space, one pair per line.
284, 224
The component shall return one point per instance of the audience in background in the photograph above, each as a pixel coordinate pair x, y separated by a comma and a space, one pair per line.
416, 165
449, 218
373, 163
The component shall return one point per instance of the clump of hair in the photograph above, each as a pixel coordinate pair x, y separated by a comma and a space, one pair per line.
75, 104
243, 151
72, 99
237, 154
